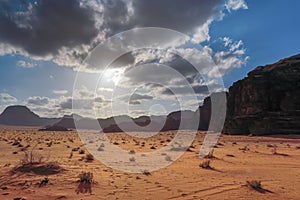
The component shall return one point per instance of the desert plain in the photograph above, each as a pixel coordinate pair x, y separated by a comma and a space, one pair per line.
236, 164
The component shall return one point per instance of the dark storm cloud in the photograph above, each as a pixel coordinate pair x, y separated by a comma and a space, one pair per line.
43, 28
180, 15
186, 90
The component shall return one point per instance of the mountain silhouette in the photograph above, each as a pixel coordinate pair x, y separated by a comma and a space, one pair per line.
22, 116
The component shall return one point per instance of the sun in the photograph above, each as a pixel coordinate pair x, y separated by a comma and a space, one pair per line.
113, 75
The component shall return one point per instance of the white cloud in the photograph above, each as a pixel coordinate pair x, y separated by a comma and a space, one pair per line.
38, 101
7, 98
233, 56
24, 64
202, 33
235, 5
60, 91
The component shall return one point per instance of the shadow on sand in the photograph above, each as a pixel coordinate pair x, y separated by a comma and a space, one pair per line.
84, 188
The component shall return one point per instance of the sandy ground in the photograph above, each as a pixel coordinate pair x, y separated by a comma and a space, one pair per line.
237, 159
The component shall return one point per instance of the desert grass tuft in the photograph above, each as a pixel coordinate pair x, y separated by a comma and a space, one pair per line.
205, 164
254, 184
86, 177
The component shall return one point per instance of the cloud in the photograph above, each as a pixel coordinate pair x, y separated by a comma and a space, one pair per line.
81, 24
137, 96
38, 101
60, 91
233, 56
134, 102
183, 16
24, 64
202, 33
235, 5
67, 104
7, 98
42, 30
32, 28
186, 90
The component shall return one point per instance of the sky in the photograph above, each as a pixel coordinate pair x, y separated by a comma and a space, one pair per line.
43, 45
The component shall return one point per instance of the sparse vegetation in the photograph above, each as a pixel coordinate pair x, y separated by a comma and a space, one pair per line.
210, 154
86, 177
254, 184
132, 152
132, 159
274, 149
75, 149
44, 182
32, 157
229, 155
100, 148
245, 148
81, 151
168, 158
146, 172
205, 164
89, 157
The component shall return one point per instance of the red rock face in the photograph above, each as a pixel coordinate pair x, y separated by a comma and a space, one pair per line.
267, 101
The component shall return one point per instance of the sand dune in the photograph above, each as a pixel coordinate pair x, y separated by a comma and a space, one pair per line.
236, 159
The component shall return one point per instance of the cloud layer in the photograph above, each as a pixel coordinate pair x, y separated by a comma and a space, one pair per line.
64, 31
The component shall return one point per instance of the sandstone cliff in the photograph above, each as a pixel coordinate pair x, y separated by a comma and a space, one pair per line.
267, 101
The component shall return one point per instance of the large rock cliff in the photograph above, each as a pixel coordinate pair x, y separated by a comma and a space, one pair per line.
267, 101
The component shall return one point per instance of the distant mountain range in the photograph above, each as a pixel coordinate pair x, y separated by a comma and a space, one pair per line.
22, 116
267, 101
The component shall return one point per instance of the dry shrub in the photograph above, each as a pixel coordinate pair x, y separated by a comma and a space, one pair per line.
89, 157
205, 164
254, 184
32, 157
210, 154
86, 177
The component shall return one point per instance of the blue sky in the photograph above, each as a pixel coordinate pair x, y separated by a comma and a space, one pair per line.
268, 31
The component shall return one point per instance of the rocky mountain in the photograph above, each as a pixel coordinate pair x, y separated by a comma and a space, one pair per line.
267, 101
23, 116
20, 116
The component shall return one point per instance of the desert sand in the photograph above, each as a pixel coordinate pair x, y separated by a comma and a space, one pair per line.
274, 161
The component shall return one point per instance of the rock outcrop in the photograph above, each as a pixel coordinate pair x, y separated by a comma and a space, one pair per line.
54, 128
20, 116
267, 101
